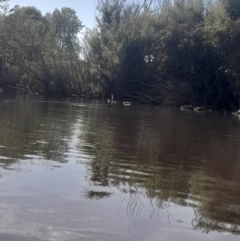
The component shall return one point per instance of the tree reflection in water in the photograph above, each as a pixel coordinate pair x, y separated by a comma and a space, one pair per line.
151, 158
217, 208
147, 162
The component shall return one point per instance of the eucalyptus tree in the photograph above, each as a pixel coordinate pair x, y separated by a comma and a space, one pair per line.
222, 34
163, 51
3, 11
117, 45
64, 49
169, 51
145, 50
104, 49
232, 7
25, 33
178, 50
42, 49
65, 26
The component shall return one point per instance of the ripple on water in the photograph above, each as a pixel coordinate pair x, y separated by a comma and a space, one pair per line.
139, 164
42, 142
5, 158
34, 156
176, 235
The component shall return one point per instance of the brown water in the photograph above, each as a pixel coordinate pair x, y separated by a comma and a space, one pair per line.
79, 170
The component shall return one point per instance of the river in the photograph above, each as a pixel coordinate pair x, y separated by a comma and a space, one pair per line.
75, 170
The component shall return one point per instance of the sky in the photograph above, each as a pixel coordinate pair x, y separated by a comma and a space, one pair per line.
85, 9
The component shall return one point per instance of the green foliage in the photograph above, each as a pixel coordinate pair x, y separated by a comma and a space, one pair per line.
232, 8
43, 49
173, 52
165, 52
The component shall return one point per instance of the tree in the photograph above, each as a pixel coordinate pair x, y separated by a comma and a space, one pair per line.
117, 46
65, 25
222, 34
44, 49
232, 7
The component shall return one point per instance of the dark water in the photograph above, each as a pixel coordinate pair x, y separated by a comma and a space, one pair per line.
78, 170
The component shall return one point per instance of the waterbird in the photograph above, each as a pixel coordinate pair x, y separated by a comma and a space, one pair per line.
127, 103
111, 102
236, 113
186, 107
201, 108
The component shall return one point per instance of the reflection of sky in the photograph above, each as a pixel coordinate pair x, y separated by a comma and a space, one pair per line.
43, 177
75, 151
75, 140
44, 203
58, 198
52, 215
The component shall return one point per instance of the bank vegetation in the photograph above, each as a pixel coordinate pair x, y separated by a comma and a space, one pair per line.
165, 52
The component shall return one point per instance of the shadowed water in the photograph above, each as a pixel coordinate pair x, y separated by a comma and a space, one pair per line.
75, 169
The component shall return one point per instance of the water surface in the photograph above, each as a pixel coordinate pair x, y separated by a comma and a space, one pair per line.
75, 169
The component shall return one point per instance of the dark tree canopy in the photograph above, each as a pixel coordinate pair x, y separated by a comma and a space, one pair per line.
154, 51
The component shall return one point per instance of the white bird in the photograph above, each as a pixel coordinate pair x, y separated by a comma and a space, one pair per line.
127, 103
